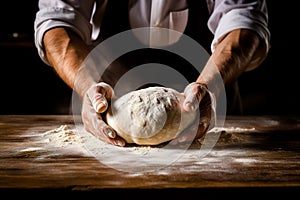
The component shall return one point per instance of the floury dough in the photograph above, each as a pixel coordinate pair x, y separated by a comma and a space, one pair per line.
149, 116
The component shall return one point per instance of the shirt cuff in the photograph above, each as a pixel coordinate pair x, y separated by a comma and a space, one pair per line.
238, 19
47, 20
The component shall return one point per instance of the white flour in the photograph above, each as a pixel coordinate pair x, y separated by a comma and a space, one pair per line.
68, 140
66, 137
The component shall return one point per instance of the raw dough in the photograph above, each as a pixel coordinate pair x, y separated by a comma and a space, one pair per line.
149, 116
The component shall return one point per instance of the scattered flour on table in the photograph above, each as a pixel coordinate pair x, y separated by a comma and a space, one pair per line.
66, 136
235, 129
68, 140
228, 134
58, 141
63, 136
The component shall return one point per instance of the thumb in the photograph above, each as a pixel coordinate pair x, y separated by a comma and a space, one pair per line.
193, 93
99, 94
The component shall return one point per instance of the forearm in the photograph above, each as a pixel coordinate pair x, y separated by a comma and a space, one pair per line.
66, 52
239, 51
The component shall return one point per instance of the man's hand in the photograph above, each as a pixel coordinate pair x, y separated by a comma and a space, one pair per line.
95, 102
197, 96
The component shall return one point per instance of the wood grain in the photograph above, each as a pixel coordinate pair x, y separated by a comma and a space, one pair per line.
268, 157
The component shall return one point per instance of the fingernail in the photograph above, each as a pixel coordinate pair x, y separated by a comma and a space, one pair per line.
120, 143
192, 107
99, 106
188, 106
110, 133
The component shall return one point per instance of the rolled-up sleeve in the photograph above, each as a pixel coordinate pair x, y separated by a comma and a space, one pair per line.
228, 15
74, 14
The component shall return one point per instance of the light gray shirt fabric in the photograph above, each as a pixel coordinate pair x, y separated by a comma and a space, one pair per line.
85, 17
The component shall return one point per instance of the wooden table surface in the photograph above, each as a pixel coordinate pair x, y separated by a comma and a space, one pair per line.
252, 153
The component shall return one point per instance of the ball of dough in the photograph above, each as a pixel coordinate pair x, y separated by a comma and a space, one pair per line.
149, 116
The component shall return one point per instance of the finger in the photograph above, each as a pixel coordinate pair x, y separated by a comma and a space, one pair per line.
187, 135
99, 94
99, 103
191, 134
110, 135
103, 132
194, 92
118, 141
103, 128
105, 89
200, 127
191, 101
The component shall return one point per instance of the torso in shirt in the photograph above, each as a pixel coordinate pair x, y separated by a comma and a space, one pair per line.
159, 16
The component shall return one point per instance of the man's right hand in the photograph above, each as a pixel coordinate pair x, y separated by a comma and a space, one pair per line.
94, 103
197, 96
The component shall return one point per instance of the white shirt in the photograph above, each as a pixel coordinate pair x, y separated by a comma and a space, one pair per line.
85, 17
167, 14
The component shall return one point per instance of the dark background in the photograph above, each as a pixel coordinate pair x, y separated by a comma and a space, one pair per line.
28, 86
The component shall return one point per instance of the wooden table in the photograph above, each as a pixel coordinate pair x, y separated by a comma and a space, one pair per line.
262, 156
